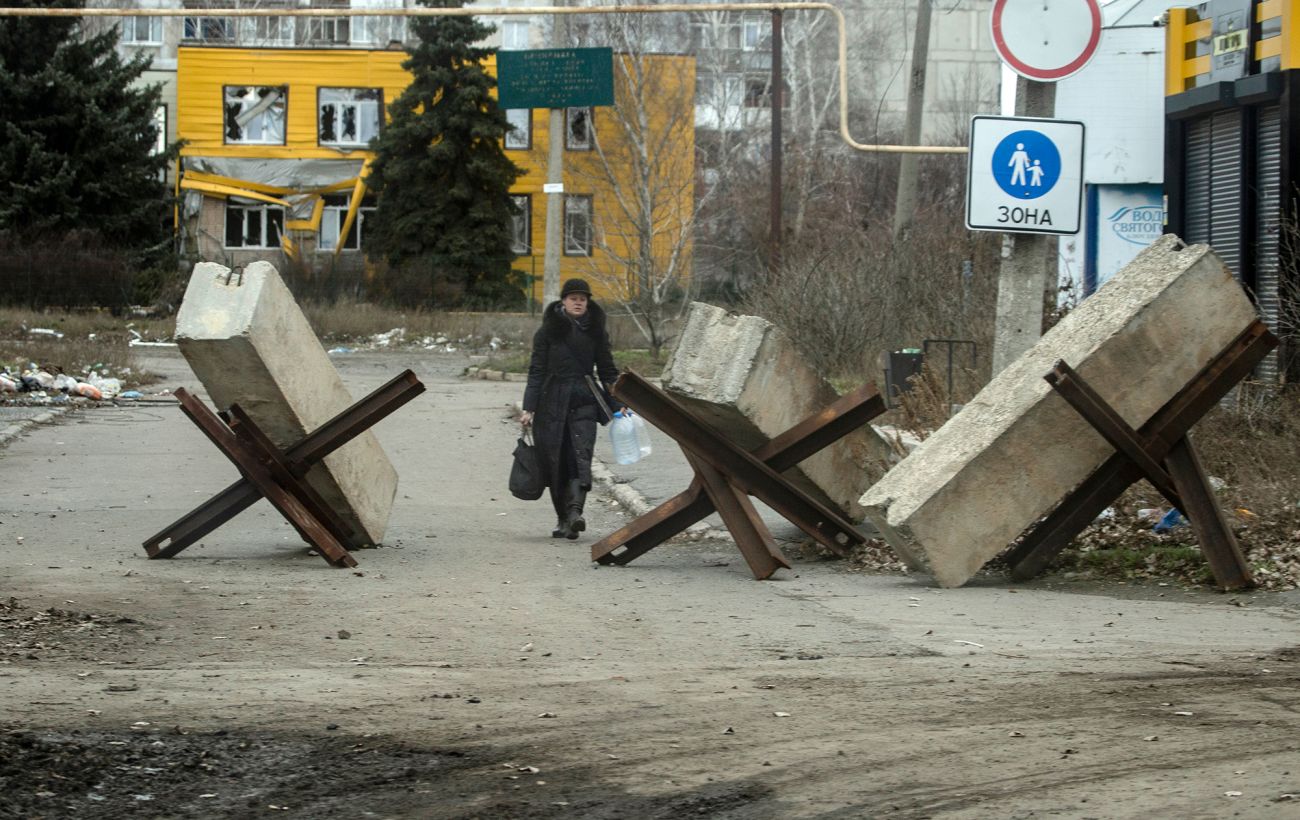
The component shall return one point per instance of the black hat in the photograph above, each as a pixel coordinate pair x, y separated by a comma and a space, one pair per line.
575, 286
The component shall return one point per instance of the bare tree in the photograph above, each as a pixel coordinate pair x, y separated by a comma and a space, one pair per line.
644, 164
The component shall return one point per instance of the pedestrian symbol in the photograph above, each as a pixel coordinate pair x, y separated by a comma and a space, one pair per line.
1026, 164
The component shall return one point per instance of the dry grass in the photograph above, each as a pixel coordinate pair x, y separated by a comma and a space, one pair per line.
345, 321
92, 340
1253, 446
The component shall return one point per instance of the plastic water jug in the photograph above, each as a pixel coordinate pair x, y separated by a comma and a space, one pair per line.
642, 435
622, 436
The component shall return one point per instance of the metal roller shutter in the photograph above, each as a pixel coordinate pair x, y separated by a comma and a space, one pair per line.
1226, 188
1212, 174
1196, 175
1268, 218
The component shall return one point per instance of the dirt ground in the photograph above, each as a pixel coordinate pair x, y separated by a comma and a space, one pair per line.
475, 667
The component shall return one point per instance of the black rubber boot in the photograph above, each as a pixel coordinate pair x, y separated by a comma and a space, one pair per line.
561, 528
576, 499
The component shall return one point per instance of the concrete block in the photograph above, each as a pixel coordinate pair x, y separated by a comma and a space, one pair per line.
249, 344
1014, 452
745, 377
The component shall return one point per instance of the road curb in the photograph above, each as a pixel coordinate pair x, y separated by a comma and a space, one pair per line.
13, 431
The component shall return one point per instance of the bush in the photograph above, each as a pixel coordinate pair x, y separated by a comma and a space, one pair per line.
849, 298
76, 269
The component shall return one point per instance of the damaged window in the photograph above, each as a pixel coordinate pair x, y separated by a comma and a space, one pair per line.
519, 138
253, 226
210, 29
349, 116
332, 219
521, 237
577, 226
577, 129
255, 114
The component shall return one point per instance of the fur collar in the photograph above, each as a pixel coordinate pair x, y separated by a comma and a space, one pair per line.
557, 325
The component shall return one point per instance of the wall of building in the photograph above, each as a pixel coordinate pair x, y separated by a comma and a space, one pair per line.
607, 175
1119, 97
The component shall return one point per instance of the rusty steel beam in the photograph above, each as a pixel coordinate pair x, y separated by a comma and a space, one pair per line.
239, 496
280, 470
822, 429
1112, 427
675, 515
1158, 436
354, 421
741, 468
312, 531
753, 538
1218, 544
648, 531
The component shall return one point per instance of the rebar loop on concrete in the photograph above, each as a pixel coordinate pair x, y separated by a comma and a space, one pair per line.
490, 11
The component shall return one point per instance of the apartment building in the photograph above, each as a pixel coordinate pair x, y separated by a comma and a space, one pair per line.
276, 114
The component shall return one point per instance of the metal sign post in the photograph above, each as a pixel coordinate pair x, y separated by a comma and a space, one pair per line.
555, 79
1043, 41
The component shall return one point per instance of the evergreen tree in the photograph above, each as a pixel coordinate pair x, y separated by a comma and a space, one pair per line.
77, 137
440, 172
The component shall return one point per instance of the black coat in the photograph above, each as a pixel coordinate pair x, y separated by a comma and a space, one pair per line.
557, 393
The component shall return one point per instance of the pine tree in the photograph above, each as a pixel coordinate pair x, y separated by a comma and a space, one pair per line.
77, 137
440, 172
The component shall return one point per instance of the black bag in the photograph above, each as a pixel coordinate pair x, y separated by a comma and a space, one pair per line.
526, 479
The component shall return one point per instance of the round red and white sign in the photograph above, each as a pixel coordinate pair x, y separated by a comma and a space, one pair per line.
1046, 40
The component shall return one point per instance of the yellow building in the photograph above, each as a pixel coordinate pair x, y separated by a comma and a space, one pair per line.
274, 158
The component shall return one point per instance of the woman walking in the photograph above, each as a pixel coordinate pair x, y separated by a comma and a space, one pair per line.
559, 402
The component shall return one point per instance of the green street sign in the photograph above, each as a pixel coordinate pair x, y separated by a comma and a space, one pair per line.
555, 77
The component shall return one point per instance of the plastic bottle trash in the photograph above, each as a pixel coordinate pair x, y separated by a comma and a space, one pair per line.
622, 436
1172, 519
642, 434
109, 387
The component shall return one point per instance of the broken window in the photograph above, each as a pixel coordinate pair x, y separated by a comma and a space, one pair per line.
253, 226
210, 29
266, 31
577, 129
255, 114
327, 30
519, 138
332, 219
521, 236
577, 225
142, 31
349, 116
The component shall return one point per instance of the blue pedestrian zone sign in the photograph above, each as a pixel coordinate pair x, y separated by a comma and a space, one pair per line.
1026, 164
1025, 175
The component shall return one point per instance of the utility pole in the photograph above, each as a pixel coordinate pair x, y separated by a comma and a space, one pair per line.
1023, 277
554, 179
777, 98
909, 164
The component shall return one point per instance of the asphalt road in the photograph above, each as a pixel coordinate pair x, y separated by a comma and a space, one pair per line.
675, 686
